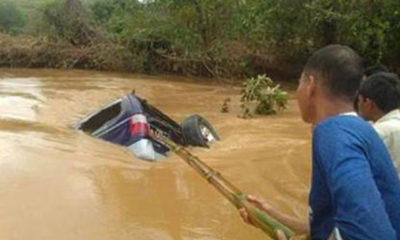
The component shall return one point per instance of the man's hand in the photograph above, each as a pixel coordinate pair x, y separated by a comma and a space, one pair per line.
300, 226
258, 203
281, 236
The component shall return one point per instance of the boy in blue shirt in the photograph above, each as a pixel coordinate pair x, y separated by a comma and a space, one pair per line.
355, 192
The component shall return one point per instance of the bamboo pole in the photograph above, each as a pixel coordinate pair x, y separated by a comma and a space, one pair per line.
258, 217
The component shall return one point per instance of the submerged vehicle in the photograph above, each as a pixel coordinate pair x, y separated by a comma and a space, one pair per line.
128, 120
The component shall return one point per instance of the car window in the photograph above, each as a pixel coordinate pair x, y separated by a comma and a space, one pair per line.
98, 119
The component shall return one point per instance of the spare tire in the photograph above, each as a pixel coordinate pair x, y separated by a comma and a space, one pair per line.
197, 131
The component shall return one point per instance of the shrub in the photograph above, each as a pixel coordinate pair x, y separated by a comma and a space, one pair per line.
216, 38
268, 96
225, 105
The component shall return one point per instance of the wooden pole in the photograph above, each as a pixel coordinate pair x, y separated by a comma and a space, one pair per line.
258, 217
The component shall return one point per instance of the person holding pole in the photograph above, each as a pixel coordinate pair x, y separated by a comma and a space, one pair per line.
355, 191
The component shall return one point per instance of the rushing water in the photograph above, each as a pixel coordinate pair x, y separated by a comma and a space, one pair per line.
57, 183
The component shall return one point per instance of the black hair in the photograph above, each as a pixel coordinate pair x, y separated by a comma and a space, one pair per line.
375, 69
339, 68
383, 89
355, 101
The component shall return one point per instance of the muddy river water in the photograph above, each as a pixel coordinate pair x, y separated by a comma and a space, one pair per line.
57, 183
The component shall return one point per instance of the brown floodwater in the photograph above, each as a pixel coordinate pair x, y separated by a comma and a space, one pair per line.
58, 183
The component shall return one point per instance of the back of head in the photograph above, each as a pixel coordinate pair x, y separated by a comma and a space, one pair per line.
339, 70
383, 89
375, 69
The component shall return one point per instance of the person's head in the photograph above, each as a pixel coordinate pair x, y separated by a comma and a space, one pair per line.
368, 72
332, 73
378, 95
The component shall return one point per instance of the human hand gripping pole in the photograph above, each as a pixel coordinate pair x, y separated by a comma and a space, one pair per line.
258, 218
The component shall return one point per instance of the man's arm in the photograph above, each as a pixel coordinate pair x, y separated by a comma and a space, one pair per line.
298, 225
359, 211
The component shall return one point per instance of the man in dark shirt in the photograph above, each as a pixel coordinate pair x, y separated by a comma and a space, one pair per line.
355, 192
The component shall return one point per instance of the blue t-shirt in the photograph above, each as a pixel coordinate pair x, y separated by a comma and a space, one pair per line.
355, 187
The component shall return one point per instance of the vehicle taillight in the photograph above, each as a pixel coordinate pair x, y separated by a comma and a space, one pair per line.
138, 125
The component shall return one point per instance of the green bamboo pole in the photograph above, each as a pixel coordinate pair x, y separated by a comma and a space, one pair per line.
259, 218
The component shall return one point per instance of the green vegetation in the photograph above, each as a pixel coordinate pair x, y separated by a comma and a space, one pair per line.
267, 95
11, 19
214, 38
225, 105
